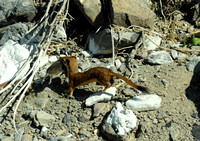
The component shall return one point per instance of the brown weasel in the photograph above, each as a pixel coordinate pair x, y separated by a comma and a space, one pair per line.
101, 75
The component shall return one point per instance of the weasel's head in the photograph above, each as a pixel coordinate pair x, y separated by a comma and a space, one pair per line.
65, 61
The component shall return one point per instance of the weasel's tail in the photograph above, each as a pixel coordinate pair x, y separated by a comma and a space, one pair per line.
141, 88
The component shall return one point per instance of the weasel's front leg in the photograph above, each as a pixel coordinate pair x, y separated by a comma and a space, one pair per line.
70, 94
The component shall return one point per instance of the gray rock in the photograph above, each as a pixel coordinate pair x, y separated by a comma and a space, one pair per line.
85, 116
26, 106
144, 102
18, 136
124, 12
174, 54
196, 133
25, 9
6, 138
67, 118
12, 57
141, 54
67, 137
174, 133
100, 42
159, 58
127, 38
40, 102
84, 133
119, 123
14, 32
27, 137
13, 10
100, 96
99, 108
151, 42
194, 64
161, 115
122, 69
42, 118
127, 92
181, 56
43, 61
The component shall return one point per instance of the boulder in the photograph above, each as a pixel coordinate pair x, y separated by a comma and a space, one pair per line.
12, 11
159, 58
144, 102
193, 64
124, 12
12, 57
100, 42
119, 123
151, 42
100, 96
14, 32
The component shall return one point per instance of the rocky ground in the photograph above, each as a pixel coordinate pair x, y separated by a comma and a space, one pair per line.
176, 119
46, 114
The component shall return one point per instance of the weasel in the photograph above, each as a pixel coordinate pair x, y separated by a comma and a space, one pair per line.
101, 75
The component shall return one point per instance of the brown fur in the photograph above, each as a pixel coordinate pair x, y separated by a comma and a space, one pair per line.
73, 65
101, 75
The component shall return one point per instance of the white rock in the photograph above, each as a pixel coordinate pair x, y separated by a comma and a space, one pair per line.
12, 58
121, 120
43, 60
43, 130
118, 63
159, 58
86, 53
100, 96
149, 42
144, 102
53, 58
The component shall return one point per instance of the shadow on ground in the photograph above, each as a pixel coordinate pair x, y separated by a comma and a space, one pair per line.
193, 93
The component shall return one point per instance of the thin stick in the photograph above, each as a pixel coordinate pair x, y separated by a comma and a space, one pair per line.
113, 46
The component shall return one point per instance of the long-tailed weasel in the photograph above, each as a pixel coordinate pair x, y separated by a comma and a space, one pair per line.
101, 75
